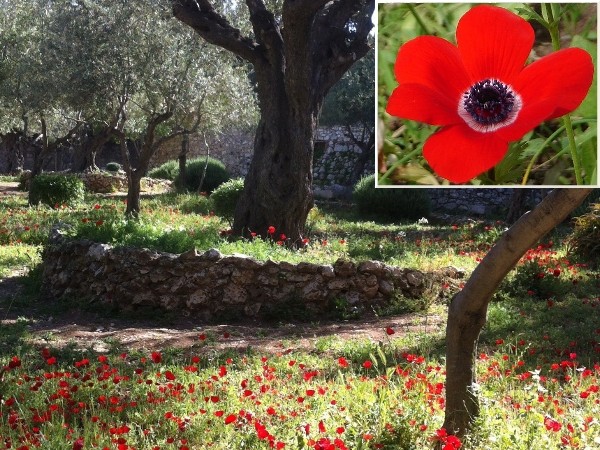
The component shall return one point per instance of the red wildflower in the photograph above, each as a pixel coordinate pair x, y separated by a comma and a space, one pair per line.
367, 364
78, 444
156, 357
389, 331
343, 362
552, 425
480, 92
271, 230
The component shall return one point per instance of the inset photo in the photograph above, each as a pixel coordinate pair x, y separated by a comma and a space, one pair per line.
487, 95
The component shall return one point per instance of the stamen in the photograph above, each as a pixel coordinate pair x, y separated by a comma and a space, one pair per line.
489, 105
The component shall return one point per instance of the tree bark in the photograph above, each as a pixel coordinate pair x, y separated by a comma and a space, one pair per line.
134, 189
182, 158
12, 144
296, 61
468, 309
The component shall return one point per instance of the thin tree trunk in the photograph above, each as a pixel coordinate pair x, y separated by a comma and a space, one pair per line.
134, 188
185, 148
367, 153
205, 165
468, 309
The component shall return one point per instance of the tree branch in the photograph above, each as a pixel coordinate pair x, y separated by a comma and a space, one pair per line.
342, 45
304, 9
266, 29
214, 28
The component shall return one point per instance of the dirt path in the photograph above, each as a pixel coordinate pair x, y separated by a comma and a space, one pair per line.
10, 188
100, 333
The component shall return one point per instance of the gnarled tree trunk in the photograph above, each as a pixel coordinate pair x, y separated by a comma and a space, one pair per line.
468, 310
296, 60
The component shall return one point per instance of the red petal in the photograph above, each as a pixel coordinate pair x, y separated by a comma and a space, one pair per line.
423, 104
459, 154
550, 87
564, 76
435, 63
493, 42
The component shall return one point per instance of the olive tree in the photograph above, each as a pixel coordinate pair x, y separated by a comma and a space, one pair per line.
299, 49
468, 309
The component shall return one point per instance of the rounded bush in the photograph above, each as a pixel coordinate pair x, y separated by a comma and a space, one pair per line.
53, 189
166, 171
113, 167
396, 204
226, 197
216, 174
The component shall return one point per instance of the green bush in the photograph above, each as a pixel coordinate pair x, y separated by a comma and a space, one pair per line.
113, 167
226, 196
584, 241
216, 174
53, 189
166, 171
195, 203
394, 204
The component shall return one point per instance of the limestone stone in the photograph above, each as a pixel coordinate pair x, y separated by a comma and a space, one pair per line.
198, 298
235, 294
414, 278
344, 268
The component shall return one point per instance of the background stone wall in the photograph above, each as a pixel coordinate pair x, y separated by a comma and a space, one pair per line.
479, 201
211, 285
335, 153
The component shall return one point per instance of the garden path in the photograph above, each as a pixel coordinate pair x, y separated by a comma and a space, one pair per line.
10, 188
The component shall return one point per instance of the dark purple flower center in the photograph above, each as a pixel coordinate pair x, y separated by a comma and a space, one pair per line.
489, 102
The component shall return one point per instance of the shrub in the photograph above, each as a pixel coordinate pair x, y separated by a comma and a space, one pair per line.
166, 171
113, 167
216, 174
390, 203
226, 196
195, 203
584, 241
52, 189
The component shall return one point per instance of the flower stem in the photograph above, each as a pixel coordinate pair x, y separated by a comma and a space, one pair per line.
414, 12
555, 36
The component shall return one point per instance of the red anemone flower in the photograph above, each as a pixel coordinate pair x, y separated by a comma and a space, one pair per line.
480, 90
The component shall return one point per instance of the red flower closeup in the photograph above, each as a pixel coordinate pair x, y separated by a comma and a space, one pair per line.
480, 90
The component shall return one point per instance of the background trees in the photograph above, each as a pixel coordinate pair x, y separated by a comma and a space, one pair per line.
299, 50
83, 73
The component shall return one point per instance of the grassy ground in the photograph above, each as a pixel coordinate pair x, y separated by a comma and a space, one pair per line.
538, 362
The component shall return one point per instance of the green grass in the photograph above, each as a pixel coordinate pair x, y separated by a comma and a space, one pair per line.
538, 389
177, 223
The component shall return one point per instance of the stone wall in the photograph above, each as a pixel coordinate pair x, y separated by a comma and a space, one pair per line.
211, 285
478, 201
106, 182
335, 153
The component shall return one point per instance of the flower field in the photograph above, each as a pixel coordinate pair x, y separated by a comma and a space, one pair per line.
538, 357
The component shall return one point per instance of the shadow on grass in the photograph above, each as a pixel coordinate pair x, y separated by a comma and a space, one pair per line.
564, 327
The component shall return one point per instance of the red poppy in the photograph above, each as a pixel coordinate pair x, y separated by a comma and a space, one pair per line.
156, 357
480, 90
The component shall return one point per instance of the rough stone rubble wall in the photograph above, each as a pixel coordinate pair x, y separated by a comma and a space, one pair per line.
235, 149
479, 201
211, 285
